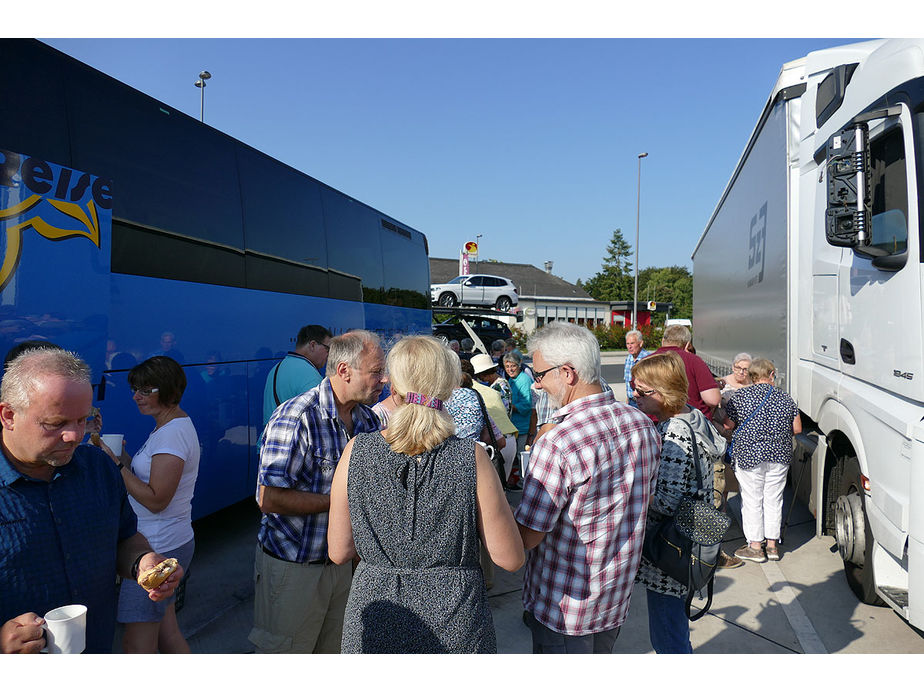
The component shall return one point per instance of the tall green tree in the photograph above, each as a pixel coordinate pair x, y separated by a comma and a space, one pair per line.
667, 284
614, 282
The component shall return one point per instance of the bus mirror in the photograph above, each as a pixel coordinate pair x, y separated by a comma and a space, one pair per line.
847, 219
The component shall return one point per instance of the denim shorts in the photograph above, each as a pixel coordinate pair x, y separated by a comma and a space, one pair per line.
134, 604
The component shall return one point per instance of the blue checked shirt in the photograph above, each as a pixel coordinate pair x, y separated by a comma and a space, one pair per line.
58, 541
301, 446
627, 373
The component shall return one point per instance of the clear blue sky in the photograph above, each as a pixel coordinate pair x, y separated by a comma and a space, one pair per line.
532, 143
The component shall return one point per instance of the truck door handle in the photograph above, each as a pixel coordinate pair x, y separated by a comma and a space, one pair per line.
847, 353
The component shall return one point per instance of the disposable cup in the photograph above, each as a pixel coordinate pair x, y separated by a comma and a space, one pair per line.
114, 441
524, 463
66, 629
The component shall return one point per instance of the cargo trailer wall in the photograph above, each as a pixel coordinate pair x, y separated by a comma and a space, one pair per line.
740, 265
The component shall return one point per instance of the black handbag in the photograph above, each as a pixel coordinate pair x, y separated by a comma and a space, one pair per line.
497, 458
687, 546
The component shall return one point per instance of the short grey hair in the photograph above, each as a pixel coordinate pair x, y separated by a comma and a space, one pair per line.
24, 373
743, 356
676, 335
498, 345
348, 348
467, 344
564, 343
512, 357
637, 334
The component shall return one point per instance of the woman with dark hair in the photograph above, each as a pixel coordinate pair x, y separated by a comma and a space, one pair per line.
160, 480
660, 385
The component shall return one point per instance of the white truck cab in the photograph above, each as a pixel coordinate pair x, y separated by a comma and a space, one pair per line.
813, 258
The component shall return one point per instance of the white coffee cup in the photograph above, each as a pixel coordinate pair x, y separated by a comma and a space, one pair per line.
524, 463
114, 441
66, 629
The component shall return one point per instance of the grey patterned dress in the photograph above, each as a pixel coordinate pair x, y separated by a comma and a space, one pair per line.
419, 586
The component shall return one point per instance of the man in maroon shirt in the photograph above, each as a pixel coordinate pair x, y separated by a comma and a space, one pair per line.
703, 392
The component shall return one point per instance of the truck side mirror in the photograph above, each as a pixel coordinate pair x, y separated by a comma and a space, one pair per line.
848, 216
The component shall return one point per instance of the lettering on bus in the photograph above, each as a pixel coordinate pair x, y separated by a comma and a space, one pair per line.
56, 201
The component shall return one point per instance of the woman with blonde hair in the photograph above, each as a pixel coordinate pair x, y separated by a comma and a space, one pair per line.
660, 385
412, 502
764, 420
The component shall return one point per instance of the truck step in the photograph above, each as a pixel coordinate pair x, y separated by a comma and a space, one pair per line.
896, 595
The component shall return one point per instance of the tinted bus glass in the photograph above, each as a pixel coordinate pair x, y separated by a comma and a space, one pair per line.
169, 172
353, 244
34, 122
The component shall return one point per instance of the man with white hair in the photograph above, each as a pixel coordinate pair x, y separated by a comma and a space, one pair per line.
300, 594
585, 499
634, 342
66, 526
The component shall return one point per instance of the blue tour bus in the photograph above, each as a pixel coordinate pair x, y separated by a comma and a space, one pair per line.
131, 229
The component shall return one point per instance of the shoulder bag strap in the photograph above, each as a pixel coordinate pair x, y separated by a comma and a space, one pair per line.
748, 418
487, 419
275, 376
696, 464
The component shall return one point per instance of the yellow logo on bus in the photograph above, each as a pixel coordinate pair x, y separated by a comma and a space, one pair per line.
63, 189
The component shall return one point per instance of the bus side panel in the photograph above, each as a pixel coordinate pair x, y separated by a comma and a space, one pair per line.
243, 332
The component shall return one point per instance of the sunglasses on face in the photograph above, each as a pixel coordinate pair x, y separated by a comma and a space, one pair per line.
539, 375
640, 393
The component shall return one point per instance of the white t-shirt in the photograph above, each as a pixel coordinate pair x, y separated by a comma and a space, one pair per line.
172, 526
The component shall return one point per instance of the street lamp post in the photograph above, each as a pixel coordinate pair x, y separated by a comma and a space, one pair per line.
478, 250
638, 204
203, 76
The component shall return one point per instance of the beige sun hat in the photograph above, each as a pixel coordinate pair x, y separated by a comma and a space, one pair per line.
482, 363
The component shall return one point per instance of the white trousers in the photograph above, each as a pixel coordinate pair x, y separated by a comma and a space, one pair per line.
762, 500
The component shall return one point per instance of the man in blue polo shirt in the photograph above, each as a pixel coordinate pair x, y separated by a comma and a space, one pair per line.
299, 371
66, 527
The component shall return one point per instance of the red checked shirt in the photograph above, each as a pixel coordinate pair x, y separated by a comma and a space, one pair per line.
587, 488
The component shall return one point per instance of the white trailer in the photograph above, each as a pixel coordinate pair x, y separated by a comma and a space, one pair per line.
813, 258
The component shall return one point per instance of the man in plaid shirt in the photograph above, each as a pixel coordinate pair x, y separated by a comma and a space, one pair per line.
585, 498
300, 593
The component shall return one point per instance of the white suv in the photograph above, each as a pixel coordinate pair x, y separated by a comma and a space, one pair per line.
476, 290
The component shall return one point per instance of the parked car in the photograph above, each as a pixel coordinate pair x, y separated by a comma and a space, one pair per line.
476, 290
487, 329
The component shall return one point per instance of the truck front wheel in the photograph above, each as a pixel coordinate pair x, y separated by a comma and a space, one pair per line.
854, 537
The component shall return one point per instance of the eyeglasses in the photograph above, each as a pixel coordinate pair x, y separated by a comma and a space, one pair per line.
539, 375
640, 393
326, 346
145, 391
740, 369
